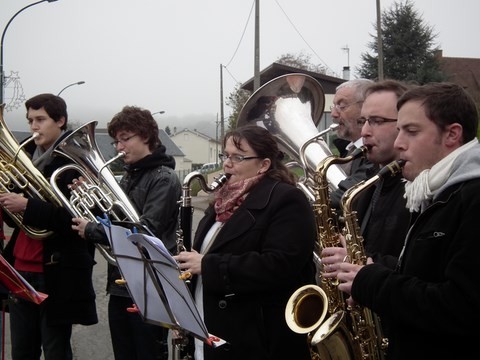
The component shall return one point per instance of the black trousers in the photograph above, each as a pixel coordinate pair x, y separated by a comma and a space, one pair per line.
132, 338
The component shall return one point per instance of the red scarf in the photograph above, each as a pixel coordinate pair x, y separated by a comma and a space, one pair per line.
231, 196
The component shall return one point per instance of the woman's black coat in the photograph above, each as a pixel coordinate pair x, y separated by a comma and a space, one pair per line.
260, 257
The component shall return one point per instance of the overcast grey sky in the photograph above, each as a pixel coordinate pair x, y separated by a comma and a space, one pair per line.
166, 55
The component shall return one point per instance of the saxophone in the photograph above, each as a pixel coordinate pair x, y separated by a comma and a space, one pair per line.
366, 330
307, 307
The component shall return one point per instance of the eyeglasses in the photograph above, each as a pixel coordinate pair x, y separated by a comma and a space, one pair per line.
236, 158
374, 121
122, 141
343, 107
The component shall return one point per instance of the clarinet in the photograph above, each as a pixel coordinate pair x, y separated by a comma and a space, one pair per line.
184, 243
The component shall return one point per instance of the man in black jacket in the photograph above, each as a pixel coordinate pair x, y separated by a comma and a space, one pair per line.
153, 187
431, 300
61, 263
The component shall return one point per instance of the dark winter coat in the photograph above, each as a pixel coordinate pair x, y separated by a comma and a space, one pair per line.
259, 258
154, 189
432, 300
387, 222
68, 259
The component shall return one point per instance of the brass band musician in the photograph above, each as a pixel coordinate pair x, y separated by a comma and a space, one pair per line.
251, 250
59, 264
153, 187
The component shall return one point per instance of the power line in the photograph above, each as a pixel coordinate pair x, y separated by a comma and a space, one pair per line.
233, 77
243, 34
305, 41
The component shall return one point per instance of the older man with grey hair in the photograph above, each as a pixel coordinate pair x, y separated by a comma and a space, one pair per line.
345, 111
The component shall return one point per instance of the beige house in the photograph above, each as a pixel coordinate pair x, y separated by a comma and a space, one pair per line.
197, 147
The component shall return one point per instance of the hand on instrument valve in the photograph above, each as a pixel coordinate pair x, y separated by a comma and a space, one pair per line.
79, 224
190, 261
76, 183
12, 202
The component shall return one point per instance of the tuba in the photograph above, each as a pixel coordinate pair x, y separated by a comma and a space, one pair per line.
18, 174
100, 192
290, 107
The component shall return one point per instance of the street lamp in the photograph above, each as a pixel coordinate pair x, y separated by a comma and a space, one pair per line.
76, 83
158, 112
2, 80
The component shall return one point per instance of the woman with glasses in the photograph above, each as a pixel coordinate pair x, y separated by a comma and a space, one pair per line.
252, 250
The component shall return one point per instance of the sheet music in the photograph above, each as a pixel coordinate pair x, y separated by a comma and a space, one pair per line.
153, 281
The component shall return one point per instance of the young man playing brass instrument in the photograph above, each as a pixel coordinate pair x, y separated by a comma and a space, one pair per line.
153, 187
431, 299
59, 264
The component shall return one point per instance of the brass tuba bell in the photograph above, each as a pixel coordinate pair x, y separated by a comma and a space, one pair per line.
290, 107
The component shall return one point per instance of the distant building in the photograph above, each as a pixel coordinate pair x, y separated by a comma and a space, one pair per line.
197, 147
462, 71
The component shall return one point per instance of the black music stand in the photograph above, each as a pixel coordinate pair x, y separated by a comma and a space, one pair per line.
153, 281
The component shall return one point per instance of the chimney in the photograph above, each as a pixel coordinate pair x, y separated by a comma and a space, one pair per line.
346, 73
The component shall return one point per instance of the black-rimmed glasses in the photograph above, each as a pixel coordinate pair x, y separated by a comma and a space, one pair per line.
236, 158
374, 120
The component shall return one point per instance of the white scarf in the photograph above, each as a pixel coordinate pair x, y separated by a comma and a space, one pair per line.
425, 186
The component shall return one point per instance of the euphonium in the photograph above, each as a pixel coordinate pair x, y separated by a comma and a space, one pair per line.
307, 308
365, 329
100, 192
18, 174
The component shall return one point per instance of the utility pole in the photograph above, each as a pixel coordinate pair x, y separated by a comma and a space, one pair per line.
379, 42
216, 141
256, 75
222, 124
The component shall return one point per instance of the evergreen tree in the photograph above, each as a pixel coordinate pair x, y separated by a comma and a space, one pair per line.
237, 98
408, 48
